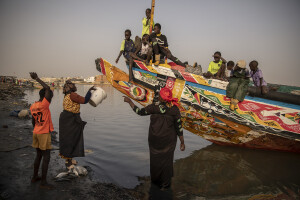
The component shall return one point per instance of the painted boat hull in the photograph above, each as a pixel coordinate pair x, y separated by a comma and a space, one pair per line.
204, 107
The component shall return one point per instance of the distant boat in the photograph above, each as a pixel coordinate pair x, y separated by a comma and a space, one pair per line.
258, 122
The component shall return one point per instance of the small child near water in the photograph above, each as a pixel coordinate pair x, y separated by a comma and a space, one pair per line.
257, 77
238, 84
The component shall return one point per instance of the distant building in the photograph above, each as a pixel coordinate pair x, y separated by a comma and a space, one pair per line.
48, 80
90, 79
77, 79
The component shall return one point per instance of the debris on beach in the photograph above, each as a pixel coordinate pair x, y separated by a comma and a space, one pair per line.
10, 91
23, 113
88, 151
73, 172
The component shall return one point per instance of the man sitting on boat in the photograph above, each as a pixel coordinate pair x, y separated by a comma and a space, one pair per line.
160, 46
142, 53
238, 84
217, 67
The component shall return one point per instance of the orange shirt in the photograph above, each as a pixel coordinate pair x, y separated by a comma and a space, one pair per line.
41, 113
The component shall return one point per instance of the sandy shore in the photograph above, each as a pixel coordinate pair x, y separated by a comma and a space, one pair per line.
17, 157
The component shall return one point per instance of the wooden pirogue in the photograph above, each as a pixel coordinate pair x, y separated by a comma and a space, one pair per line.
257, 123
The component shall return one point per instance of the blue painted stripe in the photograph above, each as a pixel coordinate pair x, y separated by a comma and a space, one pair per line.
257, 99
144, 71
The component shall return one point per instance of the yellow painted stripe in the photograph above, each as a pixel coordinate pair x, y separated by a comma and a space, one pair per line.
200, 79
178, 88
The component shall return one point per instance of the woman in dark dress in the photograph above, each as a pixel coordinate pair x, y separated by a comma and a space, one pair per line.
71, 126
165, 126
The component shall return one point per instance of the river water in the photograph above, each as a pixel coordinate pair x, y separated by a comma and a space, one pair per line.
117, 151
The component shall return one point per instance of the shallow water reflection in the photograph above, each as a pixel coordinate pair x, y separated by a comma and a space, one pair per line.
225, 172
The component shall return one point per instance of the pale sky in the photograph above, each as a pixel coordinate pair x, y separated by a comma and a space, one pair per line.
64, 37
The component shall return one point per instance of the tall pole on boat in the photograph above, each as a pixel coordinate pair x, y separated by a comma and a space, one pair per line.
152, 14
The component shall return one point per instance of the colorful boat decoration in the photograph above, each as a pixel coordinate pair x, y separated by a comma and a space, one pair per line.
257, 123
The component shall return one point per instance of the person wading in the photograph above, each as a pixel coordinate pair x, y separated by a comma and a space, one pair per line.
42, 123
71, 126
165, 126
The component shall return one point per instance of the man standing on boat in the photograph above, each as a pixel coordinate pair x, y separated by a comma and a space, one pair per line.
160, 46
146, 22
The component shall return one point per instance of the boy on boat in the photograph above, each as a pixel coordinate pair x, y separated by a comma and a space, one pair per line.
217, 67
127, 46
145, 30
238, 84
42, 123
160, 46
257, 77
142, 53
146, 22
229, 67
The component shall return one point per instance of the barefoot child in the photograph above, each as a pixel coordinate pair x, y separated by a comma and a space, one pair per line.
42, 123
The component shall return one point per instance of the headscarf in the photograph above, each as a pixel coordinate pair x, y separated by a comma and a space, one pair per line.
69, 87
241, 64
166, 94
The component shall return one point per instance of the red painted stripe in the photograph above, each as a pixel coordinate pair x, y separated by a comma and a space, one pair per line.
187, 76
196, 95
141, 65
102, 66
176, 67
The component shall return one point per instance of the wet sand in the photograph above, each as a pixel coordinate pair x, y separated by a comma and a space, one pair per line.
17, 156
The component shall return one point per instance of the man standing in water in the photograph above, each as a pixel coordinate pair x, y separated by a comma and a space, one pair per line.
42, 123
165, 126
